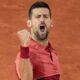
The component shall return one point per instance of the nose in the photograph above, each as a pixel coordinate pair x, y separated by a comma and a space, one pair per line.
42, 19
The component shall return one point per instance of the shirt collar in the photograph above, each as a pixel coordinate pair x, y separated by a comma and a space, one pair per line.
37, 45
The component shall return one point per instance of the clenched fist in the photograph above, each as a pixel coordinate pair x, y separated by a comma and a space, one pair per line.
24, 37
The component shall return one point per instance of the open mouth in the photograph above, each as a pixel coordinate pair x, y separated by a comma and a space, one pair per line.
42, 28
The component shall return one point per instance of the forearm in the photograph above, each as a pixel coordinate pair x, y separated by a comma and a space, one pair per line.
25, 66
26, 71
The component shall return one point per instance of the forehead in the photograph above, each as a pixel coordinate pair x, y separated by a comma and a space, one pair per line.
39, 11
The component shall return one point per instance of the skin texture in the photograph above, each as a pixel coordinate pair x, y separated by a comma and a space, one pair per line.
40, 17
25, 67
39, 37
66, 35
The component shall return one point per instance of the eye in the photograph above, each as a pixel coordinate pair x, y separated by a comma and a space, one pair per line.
38, 16
46, 16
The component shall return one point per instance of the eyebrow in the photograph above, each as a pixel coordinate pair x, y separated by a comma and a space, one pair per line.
42, 14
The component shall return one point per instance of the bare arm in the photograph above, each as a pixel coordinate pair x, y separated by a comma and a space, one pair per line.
25, 67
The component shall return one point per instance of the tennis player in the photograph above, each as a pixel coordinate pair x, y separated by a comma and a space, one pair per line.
37, 60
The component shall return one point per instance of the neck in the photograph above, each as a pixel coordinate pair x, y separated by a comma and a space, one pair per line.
44, 42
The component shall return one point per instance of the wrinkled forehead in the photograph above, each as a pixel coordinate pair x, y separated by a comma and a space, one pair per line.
40, 11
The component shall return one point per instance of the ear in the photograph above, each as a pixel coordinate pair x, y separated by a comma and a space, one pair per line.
51, 23
29, 23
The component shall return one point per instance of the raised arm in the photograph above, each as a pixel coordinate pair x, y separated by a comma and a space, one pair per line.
25, 66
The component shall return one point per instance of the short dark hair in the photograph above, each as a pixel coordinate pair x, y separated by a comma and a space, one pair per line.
39, 4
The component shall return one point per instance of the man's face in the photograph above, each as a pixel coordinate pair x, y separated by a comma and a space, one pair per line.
40, 23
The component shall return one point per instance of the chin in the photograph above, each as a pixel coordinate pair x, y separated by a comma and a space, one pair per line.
40, 37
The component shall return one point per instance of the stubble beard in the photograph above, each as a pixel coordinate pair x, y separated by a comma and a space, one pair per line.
38, 37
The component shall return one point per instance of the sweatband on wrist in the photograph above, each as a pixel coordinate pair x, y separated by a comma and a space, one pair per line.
24, 52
